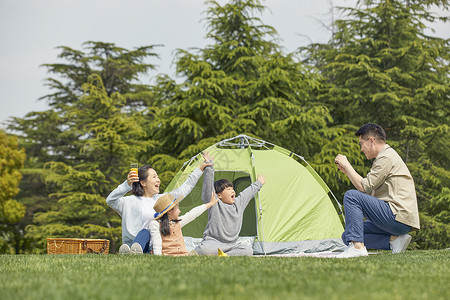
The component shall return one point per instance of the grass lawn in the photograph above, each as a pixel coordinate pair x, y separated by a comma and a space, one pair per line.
411, 275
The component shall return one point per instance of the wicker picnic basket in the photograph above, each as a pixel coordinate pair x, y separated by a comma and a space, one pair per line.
77, 246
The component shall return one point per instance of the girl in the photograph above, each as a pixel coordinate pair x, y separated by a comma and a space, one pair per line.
137, 210
165, 229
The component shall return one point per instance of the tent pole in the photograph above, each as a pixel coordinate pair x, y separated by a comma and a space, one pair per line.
261, 243
342, 217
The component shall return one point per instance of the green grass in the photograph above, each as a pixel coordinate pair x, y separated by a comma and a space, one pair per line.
411, 275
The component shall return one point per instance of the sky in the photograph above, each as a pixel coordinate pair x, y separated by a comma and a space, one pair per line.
30, 31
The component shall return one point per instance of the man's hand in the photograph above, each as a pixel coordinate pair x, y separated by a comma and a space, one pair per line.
342, 163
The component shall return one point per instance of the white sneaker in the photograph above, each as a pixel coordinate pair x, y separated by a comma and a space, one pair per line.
400, 244
136, 249
351, 251
124, 249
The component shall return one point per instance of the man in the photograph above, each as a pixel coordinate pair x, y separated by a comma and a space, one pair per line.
386, 197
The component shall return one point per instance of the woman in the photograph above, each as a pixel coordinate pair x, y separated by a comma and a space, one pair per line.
137, 210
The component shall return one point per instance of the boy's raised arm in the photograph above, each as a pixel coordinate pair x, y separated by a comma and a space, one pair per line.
208, 181
246, 195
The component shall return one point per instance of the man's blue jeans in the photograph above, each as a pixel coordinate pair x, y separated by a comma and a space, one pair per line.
379, 225
143, 239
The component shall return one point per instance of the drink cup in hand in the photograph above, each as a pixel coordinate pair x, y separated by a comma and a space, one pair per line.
134, 168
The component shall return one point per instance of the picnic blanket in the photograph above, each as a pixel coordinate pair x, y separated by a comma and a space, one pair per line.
304, 249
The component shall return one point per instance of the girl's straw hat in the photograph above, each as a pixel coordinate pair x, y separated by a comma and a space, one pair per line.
164, 204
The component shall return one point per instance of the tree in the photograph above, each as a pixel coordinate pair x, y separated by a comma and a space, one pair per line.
11, 211
44, 134
381, 67
110, 142
241, 83
59, 134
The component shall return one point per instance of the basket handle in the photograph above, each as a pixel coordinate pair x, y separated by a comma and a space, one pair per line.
56, 246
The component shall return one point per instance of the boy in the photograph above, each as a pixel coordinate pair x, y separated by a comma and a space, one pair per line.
225, 218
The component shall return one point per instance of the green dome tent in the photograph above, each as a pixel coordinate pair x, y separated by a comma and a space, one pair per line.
293, 212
